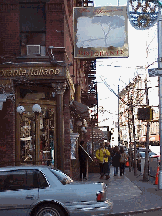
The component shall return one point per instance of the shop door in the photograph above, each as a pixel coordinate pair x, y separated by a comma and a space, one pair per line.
37, 137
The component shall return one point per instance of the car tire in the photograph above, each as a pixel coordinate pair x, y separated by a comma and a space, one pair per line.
49, 209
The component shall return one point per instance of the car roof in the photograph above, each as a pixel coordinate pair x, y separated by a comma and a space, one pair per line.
24, 167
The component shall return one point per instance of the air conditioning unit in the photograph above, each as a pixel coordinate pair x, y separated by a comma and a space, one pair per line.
33, 50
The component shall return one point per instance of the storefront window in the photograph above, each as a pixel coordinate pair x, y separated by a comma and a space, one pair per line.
44, 135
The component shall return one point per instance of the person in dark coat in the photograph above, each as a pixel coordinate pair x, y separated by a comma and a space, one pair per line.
82, 160
123, 158
116, 160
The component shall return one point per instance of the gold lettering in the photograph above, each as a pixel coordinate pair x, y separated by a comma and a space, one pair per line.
45, 72
9, 73
35, 72
57, 71
20, 72
15, 73
2, 73
23, 72
52, 71
39, 72
31, 72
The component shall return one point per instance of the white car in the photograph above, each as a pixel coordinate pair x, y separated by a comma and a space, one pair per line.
46, 191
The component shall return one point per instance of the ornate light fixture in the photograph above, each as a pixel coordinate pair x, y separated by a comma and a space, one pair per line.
36, 108
20, 110
143, 14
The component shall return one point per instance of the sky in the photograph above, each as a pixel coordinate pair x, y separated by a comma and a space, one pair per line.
143, 51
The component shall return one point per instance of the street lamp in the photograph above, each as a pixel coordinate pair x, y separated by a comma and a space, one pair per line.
37, 110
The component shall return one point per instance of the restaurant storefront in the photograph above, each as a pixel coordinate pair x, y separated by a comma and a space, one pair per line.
41, 95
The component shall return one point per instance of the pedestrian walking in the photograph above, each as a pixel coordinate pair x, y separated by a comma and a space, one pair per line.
123, 158
108, 147
82, 160
102, 155
116, 160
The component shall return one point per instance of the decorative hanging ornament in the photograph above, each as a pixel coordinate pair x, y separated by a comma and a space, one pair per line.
143, 14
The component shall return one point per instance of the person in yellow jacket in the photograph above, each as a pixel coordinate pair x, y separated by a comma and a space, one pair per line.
102, 154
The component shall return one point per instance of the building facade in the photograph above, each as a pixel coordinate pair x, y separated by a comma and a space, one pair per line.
44, 91
133, 97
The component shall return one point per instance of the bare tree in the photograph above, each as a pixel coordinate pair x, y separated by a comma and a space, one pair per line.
108, 23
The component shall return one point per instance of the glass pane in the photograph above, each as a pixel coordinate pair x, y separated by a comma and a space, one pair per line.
32, 17
32, 179
42, 181
13, 180
62, 177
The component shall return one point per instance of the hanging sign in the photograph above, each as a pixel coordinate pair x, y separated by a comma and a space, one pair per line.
100, 32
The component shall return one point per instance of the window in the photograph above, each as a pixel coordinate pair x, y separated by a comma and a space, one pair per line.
62, 177
32, 179
32, 28
42, 181
18, 179
12, 180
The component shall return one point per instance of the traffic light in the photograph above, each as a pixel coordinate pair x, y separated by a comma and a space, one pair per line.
145, 113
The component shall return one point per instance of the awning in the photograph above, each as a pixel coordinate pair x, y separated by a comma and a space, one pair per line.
3, 98
80, 109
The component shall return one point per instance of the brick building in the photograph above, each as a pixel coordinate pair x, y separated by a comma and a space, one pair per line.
44, 91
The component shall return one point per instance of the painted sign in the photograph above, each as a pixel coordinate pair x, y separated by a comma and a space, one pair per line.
100, 32
38, 72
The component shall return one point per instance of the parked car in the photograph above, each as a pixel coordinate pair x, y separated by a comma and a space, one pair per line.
142, 155
43, 190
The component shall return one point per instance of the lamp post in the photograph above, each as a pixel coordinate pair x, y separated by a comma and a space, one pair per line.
20, 110
37, 110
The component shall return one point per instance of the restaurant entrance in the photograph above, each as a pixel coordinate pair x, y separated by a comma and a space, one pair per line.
36, 129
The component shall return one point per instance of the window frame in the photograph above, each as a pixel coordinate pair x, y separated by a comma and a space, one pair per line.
26, 187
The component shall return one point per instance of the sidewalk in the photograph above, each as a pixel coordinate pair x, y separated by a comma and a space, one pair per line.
129, 193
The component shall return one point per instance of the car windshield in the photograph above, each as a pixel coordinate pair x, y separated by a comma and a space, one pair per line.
142, 154
62, 177
152, 153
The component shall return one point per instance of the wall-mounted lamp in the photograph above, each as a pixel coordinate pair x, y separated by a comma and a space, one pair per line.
20, 110
36, 108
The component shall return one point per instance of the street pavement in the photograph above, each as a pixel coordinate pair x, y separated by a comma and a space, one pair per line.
129, 193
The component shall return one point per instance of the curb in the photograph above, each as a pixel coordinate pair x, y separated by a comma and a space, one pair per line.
135, 212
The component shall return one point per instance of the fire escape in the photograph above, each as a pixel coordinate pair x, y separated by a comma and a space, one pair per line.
89, 93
